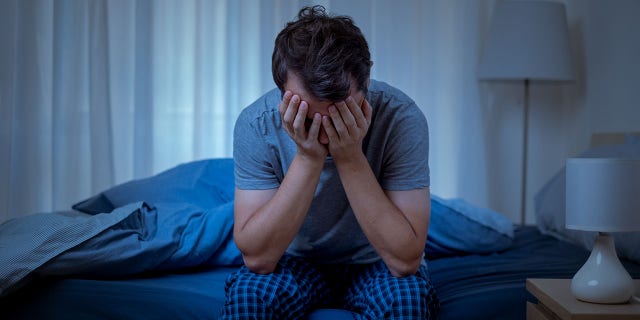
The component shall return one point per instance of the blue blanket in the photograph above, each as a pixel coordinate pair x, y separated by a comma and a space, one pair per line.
132, 239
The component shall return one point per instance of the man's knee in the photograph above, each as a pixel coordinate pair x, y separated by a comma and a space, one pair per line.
403, 298
415, 296
260, 288
278, 295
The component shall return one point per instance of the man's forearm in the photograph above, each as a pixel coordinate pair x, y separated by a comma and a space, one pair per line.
388, 229
265, 236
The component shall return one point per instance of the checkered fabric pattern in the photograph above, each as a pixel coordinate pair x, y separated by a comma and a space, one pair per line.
297, 287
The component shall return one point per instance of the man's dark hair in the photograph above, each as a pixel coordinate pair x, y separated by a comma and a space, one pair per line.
326, 52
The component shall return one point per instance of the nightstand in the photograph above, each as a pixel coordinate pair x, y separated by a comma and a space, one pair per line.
555, 302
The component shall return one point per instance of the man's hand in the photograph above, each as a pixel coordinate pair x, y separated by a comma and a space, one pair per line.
346, 127
293, 113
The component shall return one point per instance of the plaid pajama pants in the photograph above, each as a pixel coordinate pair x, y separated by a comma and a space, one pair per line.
297, 287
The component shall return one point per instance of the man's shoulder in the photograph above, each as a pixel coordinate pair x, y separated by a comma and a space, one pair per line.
380, 86
265, 104
390, 102
380, 90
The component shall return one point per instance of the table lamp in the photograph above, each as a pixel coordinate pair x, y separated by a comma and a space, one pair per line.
603, 195
527, 41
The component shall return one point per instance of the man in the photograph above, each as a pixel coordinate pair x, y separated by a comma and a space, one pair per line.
332, 185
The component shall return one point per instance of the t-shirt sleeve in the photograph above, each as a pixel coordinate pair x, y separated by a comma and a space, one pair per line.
253, 169
406, 162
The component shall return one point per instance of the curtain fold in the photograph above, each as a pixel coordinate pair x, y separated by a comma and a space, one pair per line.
95, 93
8, 24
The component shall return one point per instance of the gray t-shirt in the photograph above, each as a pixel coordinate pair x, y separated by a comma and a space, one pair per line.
396, 145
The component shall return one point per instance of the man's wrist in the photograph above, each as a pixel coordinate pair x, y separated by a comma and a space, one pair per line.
310, 161
352, 162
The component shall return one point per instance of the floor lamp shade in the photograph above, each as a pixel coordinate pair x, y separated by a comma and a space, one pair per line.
603, 195
527, 40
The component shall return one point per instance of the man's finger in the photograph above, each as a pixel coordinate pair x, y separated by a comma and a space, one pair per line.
329, 129
314, 129
347, 115
282, 106
292, 110
338, 123
301, 116
367, 111
356, 111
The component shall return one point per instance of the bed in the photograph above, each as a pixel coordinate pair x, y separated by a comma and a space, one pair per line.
161, 248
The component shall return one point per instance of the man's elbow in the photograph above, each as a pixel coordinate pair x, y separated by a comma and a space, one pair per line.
405, 269
259, 265
255, 259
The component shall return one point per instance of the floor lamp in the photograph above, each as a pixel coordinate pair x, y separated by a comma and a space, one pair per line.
527, 40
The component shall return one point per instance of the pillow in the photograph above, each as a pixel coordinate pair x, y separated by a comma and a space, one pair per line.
550, 204
204, 183
457, 227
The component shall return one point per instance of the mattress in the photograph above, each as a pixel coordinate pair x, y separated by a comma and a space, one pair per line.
490, 286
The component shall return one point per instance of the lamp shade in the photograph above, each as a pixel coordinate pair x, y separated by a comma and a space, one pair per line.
603, 194
527, 40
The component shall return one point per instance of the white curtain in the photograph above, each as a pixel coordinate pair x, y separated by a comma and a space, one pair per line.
95, 93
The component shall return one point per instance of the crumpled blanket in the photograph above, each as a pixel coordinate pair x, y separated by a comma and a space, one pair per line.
132, 239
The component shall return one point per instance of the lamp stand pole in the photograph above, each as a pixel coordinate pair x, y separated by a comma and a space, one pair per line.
525, 133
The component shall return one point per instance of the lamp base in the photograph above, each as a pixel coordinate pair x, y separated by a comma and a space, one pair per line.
603, 279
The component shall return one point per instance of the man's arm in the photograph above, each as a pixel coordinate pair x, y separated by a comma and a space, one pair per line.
395, 222
266, 221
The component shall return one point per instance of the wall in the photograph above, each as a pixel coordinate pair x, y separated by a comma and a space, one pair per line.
429, 49
604, 98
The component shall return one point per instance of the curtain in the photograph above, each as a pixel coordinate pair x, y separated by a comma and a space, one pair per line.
95, 93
